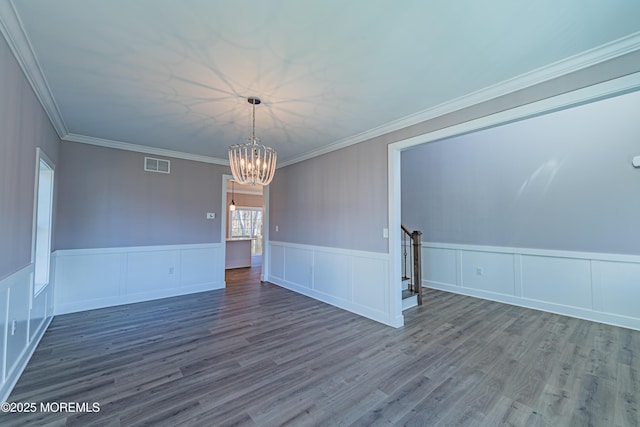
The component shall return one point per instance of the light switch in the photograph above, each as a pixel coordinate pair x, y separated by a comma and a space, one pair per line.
636, 162
385, 233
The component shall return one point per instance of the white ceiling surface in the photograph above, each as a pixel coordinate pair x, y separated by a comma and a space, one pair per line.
175, 74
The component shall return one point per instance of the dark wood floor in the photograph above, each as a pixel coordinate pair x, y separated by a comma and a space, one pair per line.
257, 354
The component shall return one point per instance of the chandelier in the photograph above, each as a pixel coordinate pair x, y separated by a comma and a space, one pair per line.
252, 163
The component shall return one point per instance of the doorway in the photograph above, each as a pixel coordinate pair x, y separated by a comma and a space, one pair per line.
560, 102
245, 228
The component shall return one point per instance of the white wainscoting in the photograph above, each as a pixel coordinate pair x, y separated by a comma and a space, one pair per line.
356, 281
31, 315
600, 287
94, 278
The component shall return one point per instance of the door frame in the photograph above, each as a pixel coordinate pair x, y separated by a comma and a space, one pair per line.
264, 274
599, 91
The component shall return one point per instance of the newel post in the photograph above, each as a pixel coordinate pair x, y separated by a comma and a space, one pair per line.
417, 262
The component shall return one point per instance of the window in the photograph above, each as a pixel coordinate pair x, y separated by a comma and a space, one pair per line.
42, 221
156, 165
247, 223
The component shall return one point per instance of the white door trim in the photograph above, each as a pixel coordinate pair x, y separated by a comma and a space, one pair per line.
608, 89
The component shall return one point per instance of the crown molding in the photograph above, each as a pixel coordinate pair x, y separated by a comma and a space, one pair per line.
13, 31
108, 143
603, 53
610, 88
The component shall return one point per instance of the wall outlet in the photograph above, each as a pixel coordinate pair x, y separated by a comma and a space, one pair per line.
479, 271
277, 228
211, 215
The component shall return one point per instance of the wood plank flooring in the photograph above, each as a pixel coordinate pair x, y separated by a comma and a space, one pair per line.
257, 354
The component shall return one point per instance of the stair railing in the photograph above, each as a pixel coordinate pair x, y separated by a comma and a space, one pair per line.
415, 274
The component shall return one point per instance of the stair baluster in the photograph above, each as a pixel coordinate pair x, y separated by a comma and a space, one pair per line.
413, 275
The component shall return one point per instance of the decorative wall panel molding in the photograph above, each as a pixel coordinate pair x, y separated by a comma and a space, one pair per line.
94, 278
23, 320
356, 281
593, 286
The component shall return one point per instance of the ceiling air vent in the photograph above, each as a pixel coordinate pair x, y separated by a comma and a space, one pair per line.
156, 165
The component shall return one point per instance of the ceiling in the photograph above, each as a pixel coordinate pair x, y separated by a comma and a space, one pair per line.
175, 75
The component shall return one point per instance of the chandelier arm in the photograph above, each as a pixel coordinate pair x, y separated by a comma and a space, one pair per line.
244, 162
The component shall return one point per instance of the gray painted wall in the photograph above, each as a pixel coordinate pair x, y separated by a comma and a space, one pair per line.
106, 199
340, 199
560, 181
335, 200
24, 126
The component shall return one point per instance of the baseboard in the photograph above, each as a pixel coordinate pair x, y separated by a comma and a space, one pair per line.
609, 319
331, 300
356, 281
134, 298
